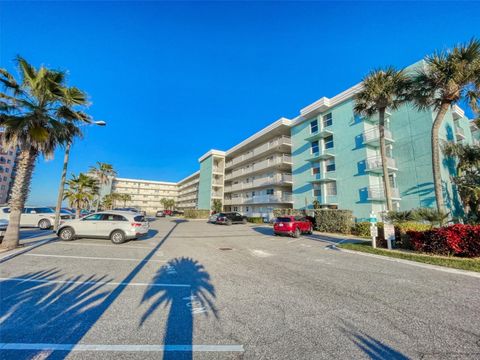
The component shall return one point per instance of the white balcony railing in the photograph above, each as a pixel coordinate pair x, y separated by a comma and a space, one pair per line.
376, 192
375, 163
373, 136
460, 133
277, 179
283, 140
277, 160
261, 199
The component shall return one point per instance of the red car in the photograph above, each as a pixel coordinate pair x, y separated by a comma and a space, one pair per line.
292, 225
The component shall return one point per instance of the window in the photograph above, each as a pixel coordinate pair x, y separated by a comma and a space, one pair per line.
3, 187
315, 168
253, 193
94, 217
315, 147
246, 208
113, 217
328, 141
330, 165
332, 188
314, 126
269, 191
139, 218
327, 120
235, 208
44, 210
317, 190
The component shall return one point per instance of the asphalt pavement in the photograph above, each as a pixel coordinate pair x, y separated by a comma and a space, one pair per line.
202, 291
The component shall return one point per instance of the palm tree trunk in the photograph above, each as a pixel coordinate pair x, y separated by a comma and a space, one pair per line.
437, 176
21, 187
62, 187
77, 211
383, 155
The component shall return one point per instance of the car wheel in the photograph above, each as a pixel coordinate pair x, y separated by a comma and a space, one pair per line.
244, 221
296, 233
310, 230
44, 224
66, 234
117, 237
229, 222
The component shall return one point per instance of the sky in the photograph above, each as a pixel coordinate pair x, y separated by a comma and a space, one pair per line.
176, 79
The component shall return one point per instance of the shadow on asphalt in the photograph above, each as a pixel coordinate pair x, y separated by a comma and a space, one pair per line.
373, 348
41, 311
151, 234
264, 230
184, 302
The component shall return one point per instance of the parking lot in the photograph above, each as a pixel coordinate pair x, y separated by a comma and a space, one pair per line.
195, 290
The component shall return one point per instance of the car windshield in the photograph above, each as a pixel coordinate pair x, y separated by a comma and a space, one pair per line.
284, 219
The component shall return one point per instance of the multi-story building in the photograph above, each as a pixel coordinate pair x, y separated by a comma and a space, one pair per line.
145, 194
187, 188
8, 163
327, 157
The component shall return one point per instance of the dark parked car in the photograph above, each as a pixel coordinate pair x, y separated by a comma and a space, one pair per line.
229, 218
177, 212
292, 225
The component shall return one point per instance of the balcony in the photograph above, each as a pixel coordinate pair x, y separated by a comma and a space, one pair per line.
459, 133
375, 118
217, 195
372, 137
261, 199
217, 183
327, 199
277, 144
277, 179
217, 170
322, 154
277, 161
326, 131
376, 193
374, 164
323, 177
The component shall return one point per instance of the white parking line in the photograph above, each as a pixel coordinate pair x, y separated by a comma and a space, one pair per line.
93, 258
123, 348
106, 245
39, 281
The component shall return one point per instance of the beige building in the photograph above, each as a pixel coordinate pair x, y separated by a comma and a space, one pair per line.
146, 194
8, 160
258, 172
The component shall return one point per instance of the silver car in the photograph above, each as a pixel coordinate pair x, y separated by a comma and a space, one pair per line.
32, 216
118, 226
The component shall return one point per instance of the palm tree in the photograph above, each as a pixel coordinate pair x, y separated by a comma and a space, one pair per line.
382, 89
217, 205
103, 172
125, 198
447, 78
38, 114
81, 191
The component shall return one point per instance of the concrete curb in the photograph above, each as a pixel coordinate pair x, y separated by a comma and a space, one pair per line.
414, 263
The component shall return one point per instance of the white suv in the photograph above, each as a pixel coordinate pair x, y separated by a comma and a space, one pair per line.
118, 226
32, 216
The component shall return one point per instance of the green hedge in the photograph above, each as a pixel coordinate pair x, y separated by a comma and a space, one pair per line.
255, 220
196, 214
361, 229
283, 212
333, 220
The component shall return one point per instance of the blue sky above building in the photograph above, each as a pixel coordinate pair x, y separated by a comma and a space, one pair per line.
174, 80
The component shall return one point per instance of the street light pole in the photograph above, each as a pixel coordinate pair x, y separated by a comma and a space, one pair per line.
63, 178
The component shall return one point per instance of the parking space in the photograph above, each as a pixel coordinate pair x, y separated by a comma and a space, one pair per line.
203, 291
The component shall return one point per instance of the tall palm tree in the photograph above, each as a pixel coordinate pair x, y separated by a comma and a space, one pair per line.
38, 113
103, 172
81, 191
382, 89
447, 78
125, 198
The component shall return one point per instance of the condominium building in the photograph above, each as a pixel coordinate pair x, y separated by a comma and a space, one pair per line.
8, 163
187, 197
145, 194
325, 157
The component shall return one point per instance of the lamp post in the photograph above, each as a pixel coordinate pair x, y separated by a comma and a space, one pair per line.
64, 175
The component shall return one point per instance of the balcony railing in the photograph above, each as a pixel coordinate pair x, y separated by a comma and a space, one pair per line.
377, 193
283, 140
277, 160
375, 164
217, 194
322, 154
216, 169
278, 179
327, 199
372, 136
460, 133
261, 199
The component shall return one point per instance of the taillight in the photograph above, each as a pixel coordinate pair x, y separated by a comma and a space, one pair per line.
136, 224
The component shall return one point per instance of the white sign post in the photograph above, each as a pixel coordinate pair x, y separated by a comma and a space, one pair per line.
389, 231
373, 228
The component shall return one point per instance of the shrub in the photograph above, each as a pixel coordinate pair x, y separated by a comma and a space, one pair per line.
255, 220
196, 214
402, 239
361, 229
459, 240
286, 211
333, 220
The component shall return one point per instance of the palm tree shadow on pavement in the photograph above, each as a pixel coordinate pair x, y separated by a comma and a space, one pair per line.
184, 302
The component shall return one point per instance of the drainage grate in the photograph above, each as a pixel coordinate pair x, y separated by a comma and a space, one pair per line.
225, 248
